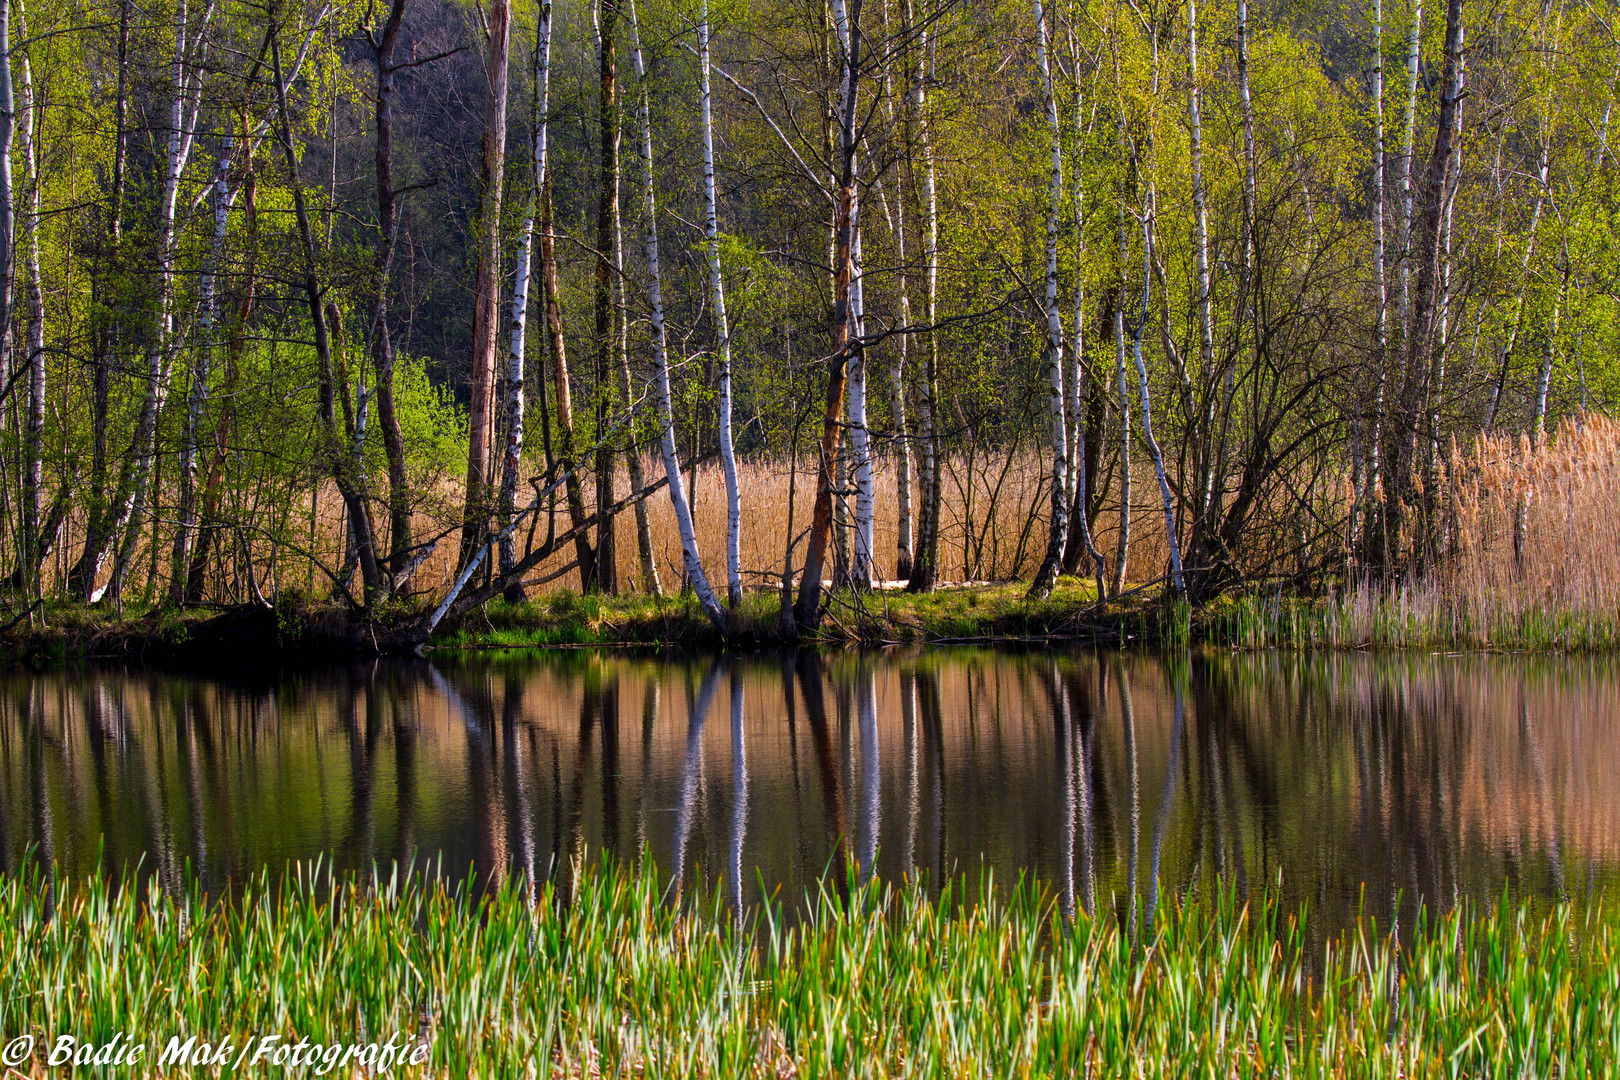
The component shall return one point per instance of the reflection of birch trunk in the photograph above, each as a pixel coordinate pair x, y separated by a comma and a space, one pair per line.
515, 373
1068, 813
1128, 714
1057, 430
722, 329
871, 805
739, 791
655, 302
691, 776
908, 721
1166, 798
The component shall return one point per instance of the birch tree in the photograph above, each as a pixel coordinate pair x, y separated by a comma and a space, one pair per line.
807, 613
512, 461
129, 500
655, 303
722, 328
1058, 527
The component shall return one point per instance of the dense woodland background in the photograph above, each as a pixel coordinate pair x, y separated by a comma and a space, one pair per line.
1244, 287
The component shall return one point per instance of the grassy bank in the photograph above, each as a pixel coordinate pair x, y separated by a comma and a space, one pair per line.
1412, 616
981, 612
614, 978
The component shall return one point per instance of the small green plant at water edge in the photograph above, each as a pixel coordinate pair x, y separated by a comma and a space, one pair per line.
611, 975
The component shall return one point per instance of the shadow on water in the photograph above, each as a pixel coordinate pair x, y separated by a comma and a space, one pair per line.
1342, 782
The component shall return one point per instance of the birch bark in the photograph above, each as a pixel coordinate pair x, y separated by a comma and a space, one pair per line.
1058, 526
655, 303
807, 613
722, 328
34, 543
129, 505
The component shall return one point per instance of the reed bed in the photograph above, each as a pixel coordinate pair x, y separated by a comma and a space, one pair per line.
1529, 539
611, 976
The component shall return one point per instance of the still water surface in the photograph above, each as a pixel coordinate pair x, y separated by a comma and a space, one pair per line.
1344, 781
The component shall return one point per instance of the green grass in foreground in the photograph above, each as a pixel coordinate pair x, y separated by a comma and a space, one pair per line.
886, 984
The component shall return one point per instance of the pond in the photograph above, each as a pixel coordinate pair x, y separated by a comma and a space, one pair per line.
1347, 782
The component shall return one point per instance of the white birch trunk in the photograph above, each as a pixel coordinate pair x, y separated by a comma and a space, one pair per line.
183, 111
722, 329
512, 462
1380, 274
1201, 283
8, 210
1408, 138
34, 429
655, 301
927, 551
860, 436
1057, 427
1246, 109
222, 197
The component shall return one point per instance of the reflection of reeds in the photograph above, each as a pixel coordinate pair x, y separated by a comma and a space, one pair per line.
886, 983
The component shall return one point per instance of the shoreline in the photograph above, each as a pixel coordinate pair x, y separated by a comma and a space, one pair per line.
298, 630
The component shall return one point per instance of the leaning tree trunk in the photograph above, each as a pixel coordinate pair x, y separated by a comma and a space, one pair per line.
655, 303
512, 462
807, 613
1058, 533
722, 329
486, 283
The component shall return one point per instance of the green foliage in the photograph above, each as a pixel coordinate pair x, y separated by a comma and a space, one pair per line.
599, 970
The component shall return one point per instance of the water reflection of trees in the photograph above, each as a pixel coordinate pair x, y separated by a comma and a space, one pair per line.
1340, 780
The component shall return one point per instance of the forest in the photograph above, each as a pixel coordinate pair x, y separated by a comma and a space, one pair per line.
416, 304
